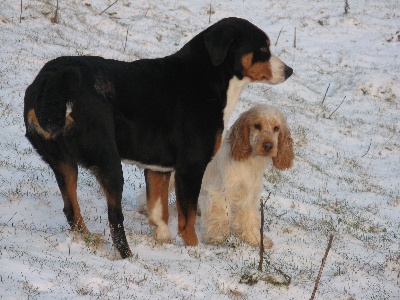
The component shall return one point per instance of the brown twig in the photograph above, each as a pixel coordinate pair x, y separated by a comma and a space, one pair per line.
346, 7
294, 42
337, 108
140, 281
209, 15
126, 40
20, 16
55, 18
326, 93
7, 222
370, 142
278, 37
109, 7
322, 266
380, 152
288, 278
262, 204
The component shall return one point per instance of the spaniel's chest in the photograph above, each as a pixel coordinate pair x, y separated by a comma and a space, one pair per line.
246, 177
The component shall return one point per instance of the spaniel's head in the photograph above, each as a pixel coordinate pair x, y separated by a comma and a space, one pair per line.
263, 131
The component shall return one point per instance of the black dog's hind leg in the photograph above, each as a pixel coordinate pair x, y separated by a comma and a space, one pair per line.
67, 177
65, 170
109, 174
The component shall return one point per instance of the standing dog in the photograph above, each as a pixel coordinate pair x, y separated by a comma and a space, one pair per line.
165, 114
230, 193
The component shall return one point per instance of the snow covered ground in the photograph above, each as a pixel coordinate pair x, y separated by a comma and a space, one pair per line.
345, 181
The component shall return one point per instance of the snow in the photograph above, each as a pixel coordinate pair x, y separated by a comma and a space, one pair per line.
345, 180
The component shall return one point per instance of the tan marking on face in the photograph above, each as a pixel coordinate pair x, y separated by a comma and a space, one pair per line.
258, 71
268, 42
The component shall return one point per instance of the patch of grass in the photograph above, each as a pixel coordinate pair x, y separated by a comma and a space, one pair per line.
276, 280
30, 290
249, 278
93, 241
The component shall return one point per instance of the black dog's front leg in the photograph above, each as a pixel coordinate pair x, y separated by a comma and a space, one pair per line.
187, 187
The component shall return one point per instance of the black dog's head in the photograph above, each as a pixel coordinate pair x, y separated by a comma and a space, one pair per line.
239, 41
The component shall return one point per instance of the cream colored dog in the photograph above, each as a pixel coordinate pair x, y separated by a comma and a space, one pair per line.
232, 184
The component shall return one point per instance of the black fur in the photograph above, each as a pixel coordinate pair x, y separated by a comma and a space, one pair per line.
166, 112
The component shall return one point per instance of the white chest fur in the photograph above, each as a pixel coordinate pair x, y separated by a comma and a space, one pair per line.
232, 96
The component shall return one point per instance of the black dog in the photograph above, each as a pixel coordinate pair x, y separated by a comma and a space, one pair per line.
166, 114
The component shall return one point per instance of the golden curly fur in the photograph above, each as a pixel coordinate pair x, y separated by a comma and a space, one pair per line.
232, 183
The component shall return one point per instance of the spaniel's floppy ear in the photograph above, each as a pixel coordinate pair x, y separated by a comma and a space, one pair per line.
218, 40
239, 138
284, 158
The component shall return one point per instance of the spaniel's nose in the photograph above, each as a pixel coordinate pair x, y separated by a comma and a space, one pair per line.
267, 146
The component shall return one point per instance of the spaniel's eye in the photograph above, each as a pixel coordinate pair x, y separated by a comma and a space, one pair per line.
257, 126
264, 49
276, 128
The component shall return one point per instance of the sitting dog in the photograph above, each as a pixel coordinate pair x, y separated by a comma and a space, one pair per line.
230, 194
164, 114
232, 183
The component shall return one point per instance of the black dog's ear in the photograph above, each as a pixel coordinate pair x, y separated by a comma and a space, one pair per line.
218, 41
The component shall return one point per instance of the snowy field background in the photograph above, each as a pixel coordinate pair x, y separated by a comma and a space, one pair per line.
345, 180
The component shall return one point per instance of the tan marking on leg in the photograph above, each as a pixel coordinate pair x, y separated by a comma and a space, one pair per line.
186, 226
70, 197
68, 121
157, 204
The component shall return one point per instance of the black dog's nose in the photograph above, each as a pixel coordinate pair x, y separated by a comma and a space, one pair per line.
288, 72
267, 146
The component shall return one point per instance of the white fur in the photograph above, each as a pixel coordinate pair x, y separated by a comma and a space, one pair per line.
150, 167
232, 96
229, 198
230, 194
69, 106
161, 232
278, 70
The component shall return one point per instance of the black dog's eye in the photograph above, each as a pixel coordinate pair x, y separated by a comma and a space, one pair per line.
257, 126
276, 128
263, 54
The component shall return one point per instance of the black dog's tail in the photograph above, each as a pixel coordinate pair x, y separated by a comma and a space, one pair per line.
57, 100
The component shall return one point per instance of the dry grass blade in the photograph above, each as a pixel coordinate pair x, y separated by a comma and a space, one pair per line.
109, 6
325, 93
279, 34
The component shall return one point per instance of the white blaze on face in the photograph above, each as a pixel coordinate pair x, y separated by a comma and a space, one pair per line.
277, 70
